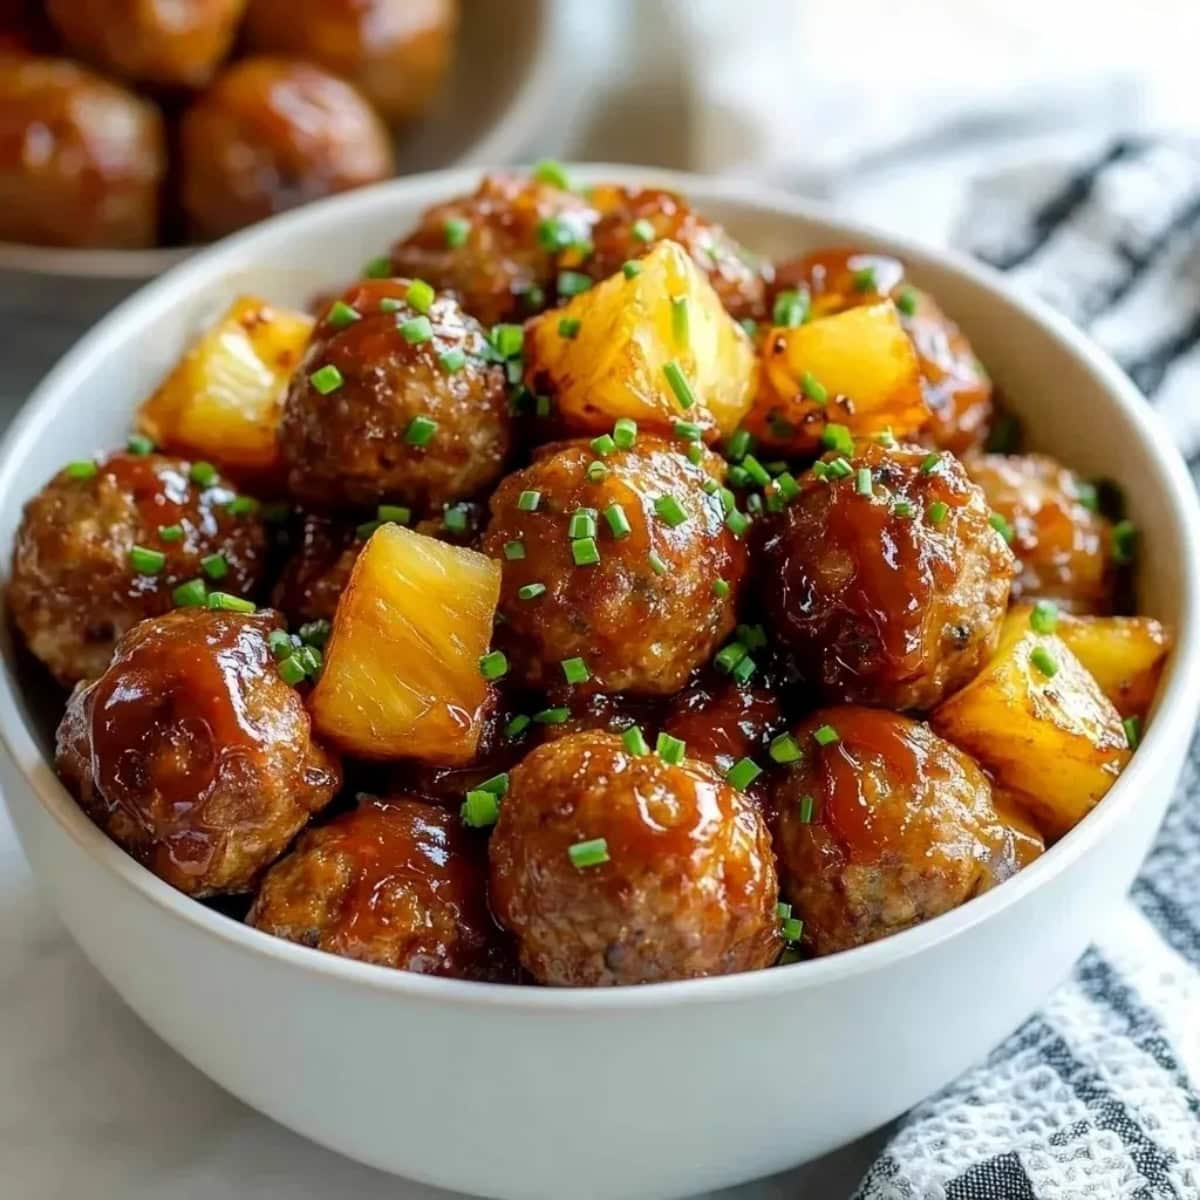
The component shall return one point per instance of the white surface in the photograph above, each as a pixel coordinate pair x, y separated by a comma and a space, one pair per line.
688, 1084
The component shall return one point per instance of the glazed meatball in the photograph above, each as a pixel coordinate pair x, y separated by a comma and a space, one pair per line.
393, 882
894, 597
394, 51
613, 868
722, 721
392, 404
192, 754
271, 134
955, 386
1063, 548
500, 249
882, 825
100, 547
81, 159
632, 221
316, 575
618, 570
150, 41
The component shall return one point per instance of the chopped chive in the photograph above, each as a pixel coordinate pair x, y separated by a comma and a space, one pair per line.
625, 433
791, 308
688, 431
453, 360
1044, 661
679, 321
743, 773
754, 504
389, 304
791, 929
554, 234
864, 279
826, 735
806, 806
291, 670
837, 437
631, 269
887, 439
864, 485
1002, 527
1124, 542
379, 267
593, 853
551, 171
813, 388
140, 445
326, 379
83, 468
838, 469
695, 454
710, 487
190, 594
752, 636
309, 657
364, 531
1133, 731
341, 314
1088, 495
642, 230
568, 327
420, 296
416, 330
1044, 617
742, 672
575, 670
634, 741
679, 385
202, 473
739, 445
493, 665
738, 476
585, 552
170, 533
229, 603
215, 566
280, 642
930, 463
455, 231
507, 340
789, 489
582, 524
420, 431
596, 472
514, 550
671, 511
552, 716
528, 501
242, 506
785, 749
737, 523
572, 283
603, 445
721, 589
729, 656
517, 726
315, 633
145, 561
396, 513
531, 591
756, 471
456, 518
906, 301
670, 749
936, 512
657, 565
480, 808
618, 522
497, 784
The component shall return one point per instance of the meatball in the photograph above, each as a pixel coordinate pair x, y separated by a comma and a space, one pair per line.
500, 249
393, 882
81, 159
955, 386
177, 42
271, 134
1063, 548
632, 221
885, 578
722, 721
394, 404
394, 51
614, 868
100, 547
882, 825
192, 754
316, 575
619, 570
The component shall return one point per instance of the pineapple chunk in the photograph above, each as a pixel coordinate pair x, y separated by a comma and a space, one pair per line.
223, 400
857, 368
401, 677
1125, 656
1053, 741
617, 362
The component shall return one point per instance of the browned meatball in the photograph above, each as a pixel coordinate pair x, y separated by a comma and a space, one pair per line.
394, 882
499, 250
356, 428
894, 597
722, 721
954, 384
192, 754
632, 221
614, 868
150, 41
1063, 548
94, 555
882, 825
394, 51
644, 615
271, 134
81, 159
316, 575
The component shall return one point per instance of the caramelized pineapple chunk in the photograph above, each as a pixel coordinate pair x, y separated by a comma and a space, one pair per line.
857, 368
621, 348
223, 400
1125, 656
402, 677
1039, 723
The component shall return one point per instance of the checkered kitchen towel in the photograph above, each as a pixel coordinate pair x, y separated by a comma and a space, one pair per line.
1098, 1096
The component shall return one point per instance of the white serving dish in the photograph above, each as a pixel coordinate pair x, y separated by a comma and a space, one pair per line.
657, 1091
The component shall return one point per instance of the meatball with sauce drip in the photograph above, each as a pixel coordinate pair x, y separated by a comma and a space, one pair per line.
617, 868
500, 249
191, 752
616, 567
722, 721
882, 825
395, 402
315, 576
393, 882
885, 578
103, 546
1063, 547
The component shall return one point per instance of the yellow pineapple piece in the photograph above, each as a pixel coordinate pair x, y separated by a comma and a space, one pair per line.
401, 677
1125, 655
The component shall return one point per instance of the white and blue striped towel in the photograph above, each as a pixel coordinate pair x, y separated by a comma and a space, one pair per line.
1097, 1097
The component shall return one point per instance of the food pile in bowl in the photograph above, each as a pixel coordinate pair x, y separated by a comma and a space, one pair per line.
579, 599
129, 123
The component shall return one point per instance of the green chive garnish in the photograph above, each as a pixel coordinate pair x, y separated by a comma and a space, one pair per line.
1044, 661
670, 510
568, 327
789, 489
530, 591
572, 283
517, 726
743, 773
549, 170
791, 308
837, 437
596, 472
1133, 731
145, 561
190, 594
739, 445
806, 807
585, 552
84, 468
582, 524
493, 665
528, 501
341, 314
592, 853
737, 523
280, 642
721, 589
1124, 542
603, 445
742, 672
634, 741
291, 670
453, 360
930, 463
1044, 617
785, 749
326, 379
315, 633
679, 385
420, 296
688, 431
552, 716
215, 566
729, 656
631, 269
864, 485
140, 445
229, 603
755, 471
813, 388
642, 230
657, 565
864, 279
416, 330
614, 514
480, 809
456, 230
1002, 527
906, 301
420, 431
514, 550
679, 321
202, 473
395, 513
575, 670
826, 735
670, 749
170, 533
937, 512
625, 433
379, 267
456, 518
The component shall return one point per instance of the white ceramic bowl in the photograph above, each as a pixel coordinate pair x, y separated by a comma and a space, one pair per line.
656, 1091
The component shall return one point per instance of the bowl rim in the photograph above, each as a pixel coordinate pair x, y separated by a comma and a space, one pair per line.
1177, 701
